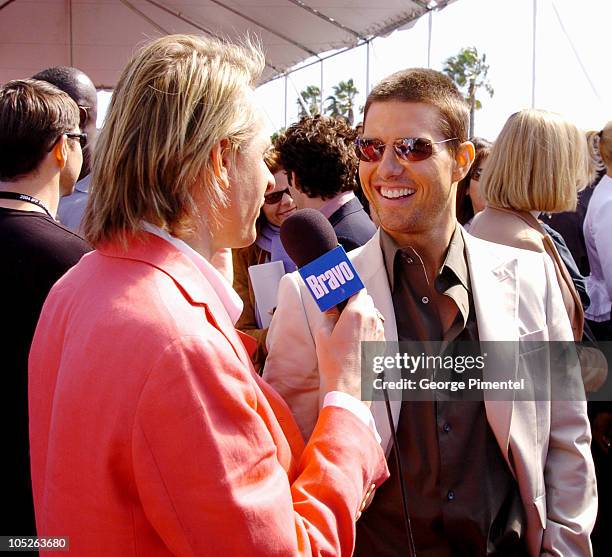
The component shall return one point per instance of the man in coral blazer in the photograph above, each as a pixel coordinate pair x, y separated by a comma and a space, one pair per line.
141, 446
534, 453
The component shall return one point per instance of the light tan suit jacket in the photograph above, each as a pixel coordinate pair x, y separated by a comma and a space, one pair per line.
545, 443
520, 229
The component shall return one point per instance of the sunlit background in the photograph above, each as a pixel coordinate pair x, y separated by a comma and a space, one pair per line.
570, 62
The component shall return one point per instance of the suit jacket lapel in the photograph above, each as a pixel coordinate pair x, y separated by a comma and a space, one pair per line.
369, 264
159, 253
495, 291
351, 206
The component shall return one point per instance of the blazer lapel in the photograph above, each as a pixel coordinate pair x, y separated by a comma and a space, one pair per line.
369, 264
494, 287
351, 206
153, 250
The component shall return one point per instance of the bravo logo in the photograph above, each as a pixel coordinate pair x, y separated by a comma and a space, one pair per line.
331, 278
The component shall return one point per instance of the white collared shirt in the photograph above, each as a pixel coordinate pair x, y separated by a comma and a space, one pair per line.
597, 236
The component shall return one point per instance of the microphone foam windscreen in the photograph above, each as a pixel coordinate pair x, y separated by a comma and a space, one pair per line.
307, 235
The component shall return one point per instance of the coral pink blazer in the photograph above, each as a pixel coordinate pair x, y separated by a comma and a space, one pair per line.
152, 436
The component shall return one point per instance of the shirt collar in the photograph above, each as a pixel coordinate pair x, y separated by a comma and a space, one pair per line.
83, 184
333, 204
455, 261
454, 270
229, 298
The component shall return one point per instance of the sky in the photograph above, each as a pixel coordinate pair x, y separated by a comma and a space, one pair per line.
503, 30
572, 60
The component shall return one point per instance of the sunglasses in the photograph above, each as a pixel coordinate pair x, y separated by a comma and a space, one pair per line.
413, 149
275, 197
476, 174
82, 137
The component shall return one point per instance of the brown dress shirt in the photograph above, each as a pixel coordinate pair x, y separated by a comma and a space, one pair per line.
463, 499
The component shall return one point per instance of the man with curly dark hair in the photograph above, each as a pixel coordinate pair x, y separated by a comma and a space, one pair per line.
319, 157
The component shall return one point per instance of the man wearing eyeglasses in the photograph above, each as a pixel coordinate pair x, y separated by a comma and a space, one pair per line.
318, 156
481, 477
83, 92
40, 160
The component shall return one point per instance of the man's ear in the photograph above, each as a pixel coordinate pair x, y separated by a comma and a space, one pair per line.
464, 157
82, 117
60, 151
221, 159
294, 181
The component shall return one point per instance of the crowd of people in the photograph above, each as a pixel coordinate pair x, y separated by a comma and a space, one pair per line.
159, 411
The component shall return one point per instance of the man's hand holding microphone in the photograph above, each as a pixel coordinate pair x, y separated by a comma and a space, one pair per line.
349, 315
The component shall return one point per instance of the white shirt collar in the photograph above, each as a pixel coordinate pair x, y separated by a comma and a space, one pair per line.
229, 298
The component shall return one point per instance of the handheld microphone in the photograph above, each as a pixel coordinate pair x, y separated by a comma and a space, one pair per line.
311, 242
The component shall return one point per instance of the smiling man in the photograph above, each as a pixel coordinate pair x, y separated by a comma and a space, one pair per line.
483, 477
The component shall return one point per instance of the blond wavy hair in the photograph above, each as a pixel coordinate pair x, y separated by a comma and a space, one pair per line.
539, 162
175, 101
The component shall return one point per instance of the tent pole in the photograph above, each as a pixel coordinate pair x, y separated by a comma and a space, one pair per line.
71, 41
286, 80
2, 6
533, 63
321, 94
429, 39
367, 68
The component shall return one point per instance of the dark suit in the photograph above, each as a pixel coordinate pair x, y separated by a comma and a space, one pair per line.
352, 225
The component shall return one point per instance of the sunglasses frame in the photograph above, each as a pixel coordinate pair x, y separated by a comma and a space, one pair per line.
274, 195
476, 175
407, 142
81, 136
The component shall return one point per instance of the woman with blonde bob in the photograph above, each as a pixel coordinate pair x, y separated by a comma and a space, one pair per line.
538, 163
150, 432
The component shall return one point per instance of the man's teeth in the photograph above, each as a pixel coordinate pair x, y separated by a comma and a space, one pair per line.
394, 193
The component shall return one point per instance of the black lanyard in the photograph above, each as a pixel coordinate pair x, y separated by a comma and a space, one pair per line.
24, 197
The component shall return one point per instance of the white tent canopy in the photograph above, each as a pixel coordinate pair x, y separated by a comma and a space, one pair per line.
99, 36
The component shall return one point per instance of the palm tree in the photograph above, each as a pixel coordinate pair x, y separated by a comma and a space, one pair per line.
333, 108
311, 97
343, 100
469, 72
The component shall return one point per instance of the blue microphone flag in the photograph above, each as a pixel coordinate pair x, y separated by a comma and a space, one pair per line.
331, 278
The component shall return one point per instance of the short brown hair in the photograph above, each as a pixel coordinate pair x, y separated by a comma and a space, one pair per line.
421, 85
539, 162
605, 144
33, 115
321, 152
177, 99
272, 160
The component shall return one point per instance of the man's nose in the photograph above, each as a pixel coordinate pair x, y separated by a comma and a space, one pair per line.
389, 166
286, 200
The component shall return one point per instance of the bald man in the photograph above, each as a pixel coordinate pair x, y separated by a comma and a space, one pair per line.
83, 92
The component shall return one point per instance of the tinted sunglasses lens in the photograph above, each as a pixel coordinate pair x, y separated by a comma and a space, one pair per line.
370, 150
414, 150
275, 197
